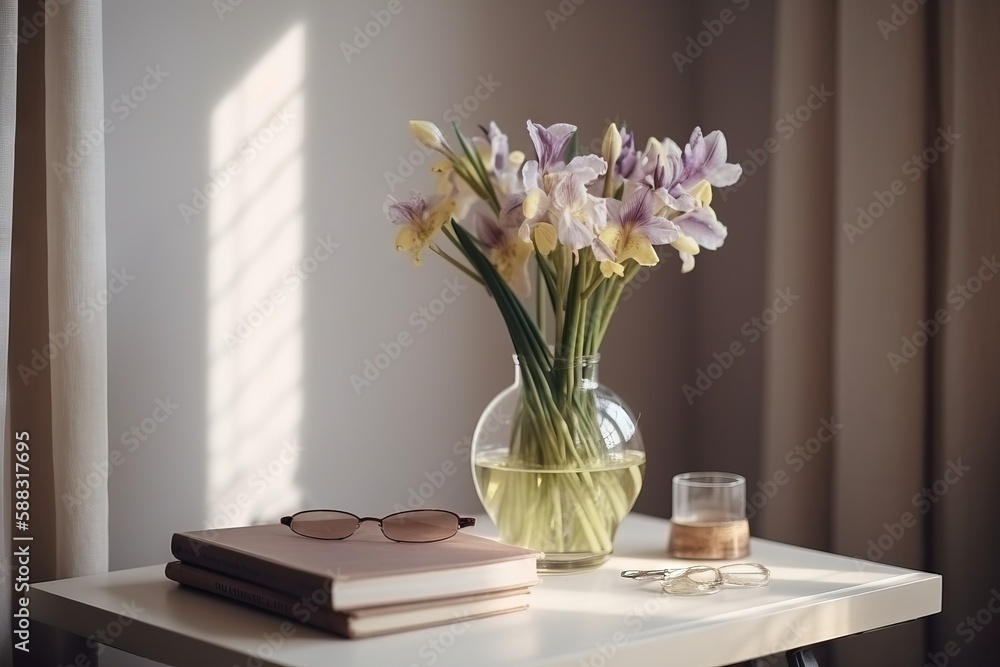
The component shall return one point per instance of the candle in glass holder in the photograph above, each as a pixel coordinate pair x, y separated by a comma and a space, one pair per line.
709, 516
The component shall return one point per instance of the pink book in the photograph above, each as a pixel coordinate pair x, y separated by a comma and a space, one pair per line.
365, 622
364, 570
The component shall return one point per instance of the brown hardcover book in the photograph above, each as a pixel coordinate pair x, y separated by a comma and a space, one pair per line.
360, 622
365, 570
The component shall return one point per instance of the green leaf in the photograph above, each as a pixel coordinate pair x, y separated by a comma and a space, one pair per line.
486, 185
572, 148
523, 331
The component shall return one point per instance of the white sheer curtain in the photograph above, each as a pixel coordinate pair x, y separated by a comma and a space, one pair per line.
52, 219
77, 268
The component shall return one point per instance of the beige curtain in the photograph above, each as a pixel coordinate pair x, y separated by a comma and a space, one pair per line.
56, 370
886, 215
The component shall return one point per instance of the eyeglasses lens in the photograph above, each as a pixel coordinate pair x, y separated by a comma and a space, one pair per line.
325, 525
420, 526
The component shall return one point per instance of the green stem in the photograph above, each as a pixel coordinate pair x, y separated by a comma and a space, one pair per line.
539, 299
612, 301
454, 262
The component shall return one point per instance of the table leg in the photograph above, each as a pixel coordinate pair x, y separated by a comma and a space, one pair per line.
801, 657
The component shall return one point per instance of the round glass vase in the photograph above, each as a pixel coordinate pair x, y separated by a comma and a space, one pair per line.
558, 462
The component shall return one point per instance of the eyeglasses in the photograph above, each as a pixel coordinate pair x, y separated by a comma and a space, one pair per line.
704, 579
408, 526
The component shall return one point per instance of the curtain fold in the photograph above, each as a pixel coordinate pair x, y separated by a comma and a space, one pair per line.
77, 275
797, 390
966, 392
8, 102
880, 294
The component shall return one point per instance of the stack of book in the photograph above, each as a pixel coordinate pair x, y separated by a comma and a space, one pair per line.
361, 586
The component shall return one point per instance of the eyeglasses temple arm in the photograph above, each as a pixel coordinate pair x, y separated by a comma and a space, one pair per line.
644, 574
466, 521
286, 520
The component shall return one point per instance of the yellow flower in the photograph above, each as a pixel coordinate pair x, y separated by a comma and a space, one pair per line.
508, 252
453, 186
626, 244
511, 261
632, 230
419, 219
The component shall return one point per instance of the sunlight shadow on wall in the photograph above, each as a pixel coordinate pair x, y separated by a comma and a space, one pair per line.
255, 339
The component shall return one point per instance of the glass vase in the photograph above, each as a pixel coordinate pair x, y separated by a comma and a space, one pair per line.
558, 462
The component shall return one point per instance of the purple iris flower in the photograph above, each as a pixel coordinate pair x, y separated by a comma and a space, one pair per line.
628, 159
499, 147
705, 159
550, 142
664, 183
635, 216
508, 252
702, 225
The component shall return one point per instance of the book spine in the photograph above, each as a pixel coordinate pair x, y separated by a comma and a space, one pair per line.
257, 596
296, 583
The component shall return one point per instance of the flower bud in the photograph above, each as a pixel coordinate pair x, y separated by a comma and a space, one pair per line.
428, 134
611, 146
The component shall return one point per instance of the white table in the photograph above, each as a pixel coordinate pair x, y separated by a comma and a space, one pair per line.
584, 619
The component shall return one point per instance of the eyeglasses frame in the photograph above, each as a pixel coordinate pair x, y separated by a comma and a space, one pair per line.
463, 522
719, 582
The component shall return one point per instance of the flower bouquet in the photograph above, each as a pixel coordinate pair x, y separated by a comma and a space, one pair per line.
567, 465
